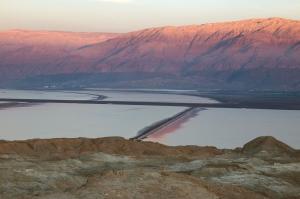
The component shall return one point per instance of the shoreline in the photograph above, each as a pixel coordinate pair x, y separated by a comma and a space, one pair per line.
7, 105
246, 105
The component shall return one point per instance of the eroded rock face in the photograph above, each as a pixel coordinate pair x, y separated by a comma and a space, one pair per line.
67, 148
118, 168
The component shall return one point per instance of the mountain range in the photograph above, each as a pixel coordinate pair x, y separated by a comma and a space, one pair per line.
255, 54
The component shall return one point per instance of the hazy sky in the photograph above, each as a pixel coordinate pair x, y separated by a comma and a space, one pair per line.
128, 15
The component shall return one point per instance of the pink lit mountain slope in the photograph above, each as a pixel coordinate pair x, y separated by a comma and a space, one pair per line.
24, 53
249, 54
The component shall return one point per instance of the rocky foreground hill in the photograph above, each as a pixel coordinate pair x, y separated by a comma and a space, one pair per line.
250, 54
119, 168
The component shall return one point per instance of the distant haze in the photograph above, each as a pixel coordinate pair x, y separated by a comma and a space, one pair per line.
128, 15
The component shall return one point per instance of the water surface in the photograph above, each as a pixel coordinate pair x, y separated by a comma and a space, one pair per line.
223, 128
230, 128
78, 120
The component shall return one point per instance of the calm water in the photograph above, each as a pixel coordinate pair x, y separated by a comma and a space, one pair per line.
230, 128
76, 120
224, 128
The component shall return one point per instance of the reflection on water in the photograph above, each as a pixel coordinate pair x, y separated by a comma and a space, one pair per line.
159, 135
230, 128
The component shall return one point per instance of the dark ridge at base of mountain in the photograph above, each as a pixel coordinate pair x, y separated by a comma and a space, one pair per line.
256, 79
94, 80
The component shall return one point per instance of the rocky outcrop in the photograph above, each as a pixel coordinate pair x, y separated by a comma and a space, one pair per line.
66, 148
118, 168
268, 146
